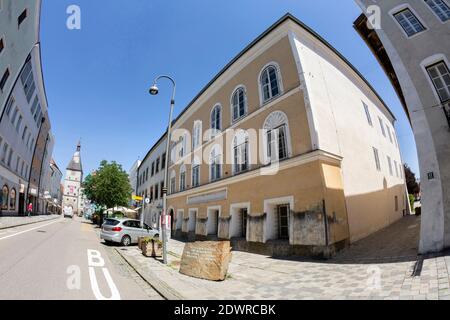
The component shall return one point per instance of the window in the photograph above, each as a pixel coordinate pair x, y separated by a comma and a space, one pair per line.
153, 168
24, 134
216, 119
17, 164
238, 104
27, 80
172, 182
197, 134
5, 196
383, 131
283, 221
215, 163
396, 168
2, 45
409, 22
390, 165
156, 191
163, 161
369, 118
21, 168
183, 178
9, 105
5, 152
276, 135
377, 159
34, 105
440, 8
240, 152
22, 17
32, 144
157, 165
389, 134
440, 76
19, 124
162, 188
196, 175
12, 200
270, 86
4, 79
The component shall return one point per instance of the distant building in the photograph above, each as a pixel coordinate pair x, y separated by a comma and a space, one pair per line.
413, 47
55, 205
151, 182
133, 177
26, 141
72, 183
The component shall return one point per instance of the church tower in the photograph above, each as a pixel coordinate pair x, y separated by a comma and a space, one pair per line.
72, 182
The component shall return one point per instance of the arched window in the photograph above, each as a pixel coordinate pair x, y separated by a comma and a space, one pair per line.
238, 104
215, 163
172, 182
216, 119
12, 200
197, 134
277, 139
240, 152
182, 178
196, 172
270, 83
5, 196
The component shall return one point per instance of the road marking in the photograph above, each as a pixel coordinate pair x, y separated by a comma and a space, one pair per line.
95, 260
28, 230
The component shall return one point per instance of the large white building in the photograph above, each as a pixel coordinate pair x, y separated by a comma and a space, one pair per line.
413, 46
26, 141
133, 178
151, 182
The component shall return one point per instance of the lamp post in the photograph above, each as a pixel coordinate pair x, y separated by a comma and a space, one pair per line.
154, 91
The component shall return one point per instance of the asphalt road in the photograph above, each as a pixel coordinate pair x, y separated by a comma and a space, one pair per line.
64, 259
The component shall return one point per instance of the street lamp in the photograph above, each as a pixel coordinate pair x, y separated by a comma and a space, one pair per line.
154, 91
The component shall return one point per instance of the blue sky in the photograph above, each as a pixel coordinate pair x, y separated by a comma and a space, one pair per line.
97, 78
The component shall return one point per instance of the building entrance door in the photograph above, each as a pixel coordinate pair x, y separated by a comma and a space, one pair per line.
21, 204
283, 221
244, 214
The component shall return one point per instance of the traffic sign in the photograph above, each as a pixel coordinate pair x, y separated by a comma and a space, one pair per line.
137, 198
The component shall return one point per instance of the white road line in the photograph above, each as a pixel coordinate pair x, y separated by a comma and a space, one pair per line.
16, 234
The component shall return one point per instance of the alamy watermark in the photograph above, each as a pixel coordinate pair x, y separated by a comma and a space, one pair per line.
73, 21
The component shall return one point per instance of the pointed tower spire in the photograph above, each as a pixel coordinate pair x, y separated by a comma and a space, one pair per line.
79, 145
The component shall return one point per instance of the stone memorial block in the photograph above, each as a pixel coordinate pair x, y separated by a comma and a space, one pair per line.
206, 260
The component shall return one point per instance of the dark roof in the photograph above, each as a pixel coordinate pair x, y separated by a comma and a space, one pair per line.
75, 166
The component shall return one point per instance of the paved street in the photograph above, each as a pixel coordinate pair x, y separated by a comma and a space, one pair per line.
42, 261
382, 266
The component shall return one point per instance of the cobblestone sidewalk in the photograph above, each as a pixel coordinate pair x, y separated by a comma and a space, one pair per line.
383, 266
10, 222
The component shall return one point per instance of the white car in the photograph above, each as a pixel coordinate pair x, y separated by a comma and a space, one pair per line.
68, 212
125, 231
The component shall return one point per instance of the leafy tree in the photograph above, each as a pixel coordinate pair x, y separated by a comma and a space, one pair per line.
411, 181
108, 186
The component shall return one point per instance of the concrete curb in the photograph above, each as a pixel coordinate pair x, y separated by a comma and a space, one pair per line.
29, 222
152, 279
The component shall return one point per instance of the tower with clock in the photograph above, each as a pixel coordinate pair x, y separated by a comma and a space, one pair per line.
72, 183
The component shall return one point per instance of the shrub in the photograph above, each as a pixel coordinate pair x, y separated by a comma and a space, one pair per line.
412, 199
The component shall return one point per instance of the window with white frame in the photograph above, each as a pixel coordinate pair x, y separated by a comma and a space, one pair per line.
197, 134
409, 22
9, 105
216, 119
377, 158
238, 104
276, 137
391, 172
14, 116
440, 8
440, 76
270, 83
172, 182
182, 178
196, 172
383, 131
215, 163
368, 116
389, 133
240, 152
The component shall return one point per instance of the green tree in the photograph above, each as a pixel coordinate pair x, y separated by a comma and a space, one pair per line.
108, 186
411, 181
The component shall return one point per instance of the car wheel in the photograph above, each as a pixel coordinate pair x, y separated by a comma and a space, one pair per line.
156, 236
126, 241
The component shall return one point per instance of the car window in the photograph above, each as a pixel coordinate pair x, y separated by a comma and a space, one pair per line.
136, 224
146, 226
127, 223
111, 222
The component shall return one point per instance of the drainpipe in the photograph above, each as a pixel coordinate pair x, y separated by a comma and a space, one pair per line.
325, 221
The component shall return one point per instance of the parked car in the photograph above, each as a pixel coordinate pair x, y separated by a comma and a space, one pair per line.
125, 231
